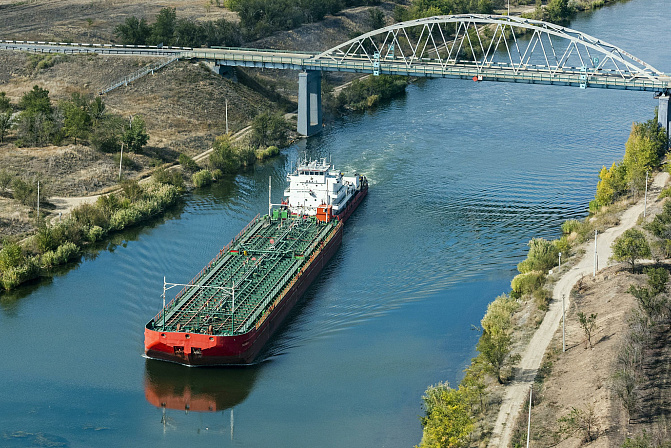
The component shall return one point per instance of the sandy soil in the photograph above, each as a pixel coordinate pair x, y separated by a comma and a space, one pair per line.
518, 390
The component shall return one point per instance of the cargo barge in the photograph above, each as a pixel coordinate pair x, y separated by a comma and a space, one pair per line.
231, 308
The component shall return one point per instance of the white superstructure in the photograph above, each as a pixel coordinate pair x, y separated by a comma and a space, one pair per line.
316, 183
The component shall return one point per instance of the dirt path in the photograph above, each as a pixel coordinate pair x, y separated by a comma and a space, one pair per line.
532, 356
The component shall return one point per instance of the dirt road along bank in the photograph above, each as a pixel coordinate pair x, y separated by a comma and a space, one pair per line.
518, 390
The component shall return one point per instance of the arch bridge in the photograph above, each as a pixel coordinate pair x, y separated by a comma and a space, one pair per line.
467, 46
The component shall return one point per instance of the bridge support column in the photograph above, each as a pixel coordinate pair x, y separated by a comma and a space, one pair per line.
663, 114
309, 102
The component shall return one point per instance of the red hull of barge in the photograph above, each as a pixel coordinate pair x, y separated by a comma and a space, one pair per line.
211, 350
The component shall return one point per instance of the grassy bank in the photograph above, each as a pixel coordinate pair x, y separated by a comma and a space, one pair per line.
58, 243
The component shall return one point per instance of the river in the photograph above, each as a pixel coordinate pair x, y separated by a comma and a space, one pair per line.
462, 175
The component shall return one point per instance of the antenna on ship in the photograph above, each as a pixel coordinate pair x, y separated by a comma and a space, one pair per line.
270, 203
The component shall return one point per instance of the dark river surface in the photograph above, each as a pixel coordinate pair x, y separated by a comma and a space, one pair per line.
462, 176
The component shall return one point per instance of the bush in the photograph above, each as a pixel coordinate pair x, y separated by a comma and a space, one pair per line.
131, 190
202, 178
270, 151
62, 255
96, 233
170, 177
569, 226
90, 215
14, 276
224, 156
188, 163
528, 282
542, 256
11, 256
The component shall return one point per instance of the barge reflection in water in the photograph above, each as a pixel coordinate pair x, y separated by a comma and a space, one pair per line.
204, 389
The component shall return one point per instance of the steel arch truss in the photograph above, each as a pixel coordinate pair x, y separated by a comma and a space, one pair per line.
497, 48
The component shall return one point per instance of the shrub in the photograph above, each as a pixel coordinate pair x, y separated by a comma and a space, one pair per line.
188, 163
96, 233
569, 226
528, 282
217, 175
90, 215
11, 256
131, 189
124, 217
224, 156
170, 177
270, 151
14, 276
64, 253
202, 178
542, 256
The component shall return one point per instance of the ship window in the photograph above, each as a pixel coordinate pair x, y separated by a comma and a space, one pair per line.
211, 338
187, 336
162, 335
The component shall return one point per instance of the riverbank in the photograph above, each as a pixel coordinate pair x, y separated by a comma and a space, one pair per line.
516, 392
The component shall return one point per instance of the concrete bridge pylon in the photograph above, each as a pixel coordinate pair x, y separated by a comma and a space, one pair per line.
309, 102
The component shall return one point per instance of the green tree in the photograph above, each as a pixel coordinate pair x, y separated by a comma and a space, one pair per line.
77, 119
97, 110
269, 129
558, 11
447, 421
133, 31
188, 33
224, 157
222, 33
135, 136
375, 18
36, 101
495, 343
163, 30
5, 104
5, 124
106, 136
642, 153
5, 180
588, 325
631, 246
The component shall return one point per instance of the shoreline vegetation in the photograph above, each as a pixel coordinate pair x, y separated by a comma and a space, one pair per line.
462, 416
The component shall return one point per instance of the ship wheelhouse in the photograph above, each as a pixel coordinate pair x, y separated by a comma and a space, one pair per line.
317, 188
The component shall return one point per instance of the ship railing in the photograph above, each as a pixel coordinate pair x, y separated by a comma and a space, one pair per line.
221, 253
284, 286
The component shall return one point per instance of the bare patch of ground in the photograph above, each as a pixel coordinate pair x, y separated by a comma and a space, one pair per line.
90, 20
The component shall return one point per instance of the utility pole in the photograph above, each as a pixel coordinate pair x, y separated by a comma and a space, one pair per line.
531, 391
508, 7
226, 116
559, 260
645, 202
38, 199
563, 323
120, 160
596, 256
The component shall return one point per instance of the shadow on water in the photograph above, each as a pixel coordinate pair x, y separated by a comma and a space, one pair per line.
200, 389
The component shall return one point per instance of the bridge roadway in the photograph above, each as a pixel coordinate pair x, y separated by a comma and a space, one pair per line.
305, 61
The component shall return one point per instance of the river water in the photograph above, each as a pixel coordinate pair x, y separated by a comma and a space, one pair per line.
462, 175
